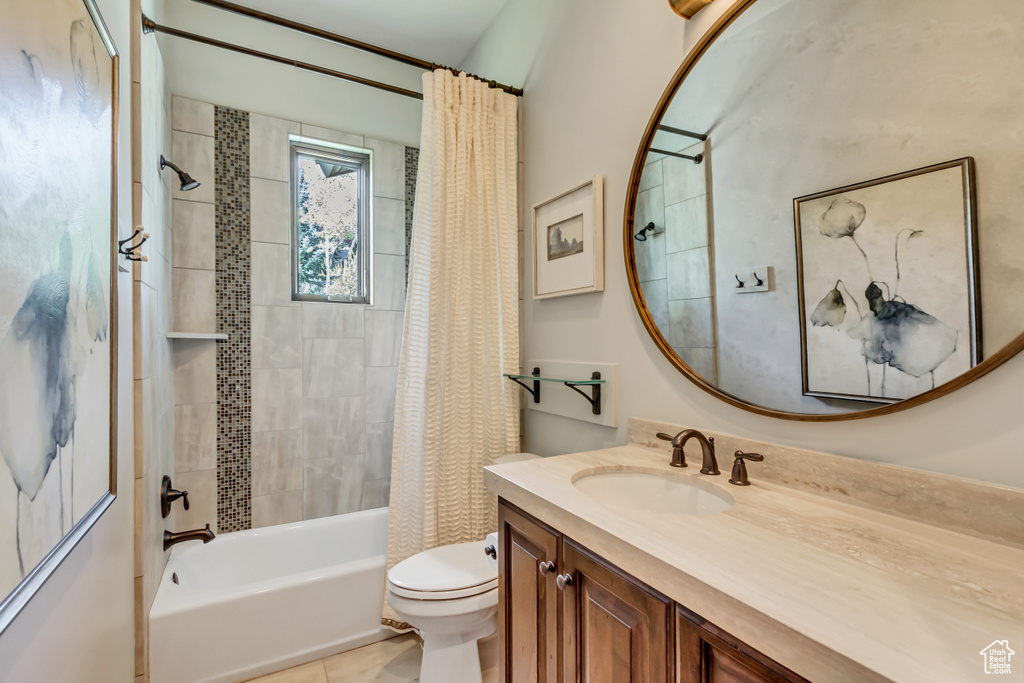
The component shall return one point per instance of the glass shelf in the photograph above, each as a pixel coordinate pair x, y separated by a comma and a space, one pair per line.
581, 382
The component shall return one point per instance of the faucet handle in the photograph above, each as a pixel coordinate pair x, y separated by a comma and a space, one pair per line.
665, 437
739, 467
168, 495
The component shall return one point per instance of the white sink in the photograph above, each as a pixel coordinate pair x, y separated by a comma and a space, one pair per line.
646, 492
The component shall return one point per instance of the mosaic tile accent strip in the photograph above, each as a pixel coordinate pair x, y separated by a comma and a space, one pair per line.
234, 365
412, 162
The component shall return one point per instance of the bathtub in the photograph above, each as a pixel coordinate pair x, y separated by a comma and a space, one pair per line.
254, 602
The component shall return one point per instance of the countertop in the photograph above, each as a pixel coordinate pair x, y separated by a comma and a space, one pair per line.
833, 590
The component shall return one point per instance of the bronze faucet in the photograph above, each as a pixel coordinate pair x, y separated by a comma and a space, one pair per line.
175, 537
709, 465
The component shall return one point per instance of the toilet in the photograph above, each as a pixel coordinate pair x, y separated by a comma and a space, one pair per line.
450, 595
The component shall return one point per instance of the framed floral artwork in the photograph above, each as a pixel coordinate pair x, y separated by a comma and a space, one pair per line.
887, 274
58, 318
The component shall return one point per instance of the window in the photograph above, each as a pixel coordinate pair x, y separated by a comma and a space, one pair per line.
330, 222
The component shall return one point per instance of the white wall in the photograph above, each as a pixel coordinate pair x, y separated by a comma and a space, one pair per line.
593, 71
78, 626
229, 79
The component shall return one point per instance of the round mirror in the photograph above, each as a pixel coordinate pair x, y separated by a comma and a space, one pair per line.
822, 219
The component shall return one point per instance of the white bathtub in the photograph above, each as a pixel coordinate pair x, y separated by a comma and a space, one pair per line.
253, 602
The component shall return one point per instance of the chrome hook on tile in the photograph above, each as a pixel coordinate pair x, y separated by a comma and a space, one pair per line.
129, 252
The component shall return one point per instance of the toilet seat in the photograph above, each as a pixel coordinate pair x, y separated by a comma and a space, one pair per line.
445, 573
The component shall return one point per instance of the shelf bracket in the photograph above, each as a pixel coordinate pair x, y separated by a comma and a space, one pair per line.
595, 393
535, 390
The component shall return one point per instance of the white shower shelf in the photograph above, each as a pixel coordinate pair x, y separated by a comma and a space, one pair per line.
197, 335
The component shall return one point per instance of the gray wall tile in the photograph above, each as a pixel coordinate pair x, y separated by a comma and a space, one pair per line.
191, 116
683, 178
195, 437
379, 445
389, 282
388, 226
276, 508
383, 337
195, 371
271, 273
195, 300
318, 133
269, 152
194, 241
276, 462
332, 486
194, 155
651, 176
689, 275
276, 337
686, 224
332, 427
381, 388
270, 214
376, 494
332, 320
388, 168
276, 400
691, 323
332, 367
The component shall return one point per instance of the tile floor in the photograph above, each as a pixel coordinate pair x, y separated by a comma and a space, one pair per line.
390, 661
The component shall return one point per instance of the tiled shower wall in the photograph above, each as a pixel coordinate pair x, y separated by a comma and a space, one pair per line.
675, 266
323, 375
154, 403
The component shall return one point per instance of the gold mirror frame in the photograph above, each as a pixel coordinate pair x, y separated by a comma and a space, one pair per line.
706, 41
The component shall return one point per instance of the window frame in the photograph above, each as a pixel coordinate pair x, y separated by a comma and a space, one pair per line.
347, 154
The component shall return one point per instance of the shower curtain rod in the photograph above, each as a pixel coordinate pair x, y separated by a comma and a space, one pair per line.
150, 26
348, 42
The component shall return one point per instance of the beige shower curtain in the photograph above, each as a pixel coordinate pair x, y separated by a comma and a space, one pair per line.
455, 412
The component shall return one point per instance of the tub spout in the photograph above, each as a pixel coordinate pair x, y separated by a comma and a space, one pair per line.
174, 537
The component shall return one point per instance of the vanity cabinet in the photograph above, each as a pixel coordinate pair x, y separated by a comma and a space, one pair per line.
569, 616
527, 598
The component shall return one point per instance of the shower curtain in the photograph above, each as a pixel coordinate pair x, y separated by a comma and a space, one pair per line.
454, 411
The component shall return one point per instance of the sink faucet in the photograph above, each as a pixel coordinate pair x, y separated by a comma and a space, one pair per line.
709, 465
175, 537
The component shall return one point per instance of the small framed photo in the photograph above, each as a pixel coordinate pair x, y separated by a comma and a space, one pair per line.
568, 238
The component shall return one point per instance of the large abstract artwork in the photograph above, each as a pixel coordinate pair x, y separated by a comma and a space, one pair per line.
58, 104
887, 273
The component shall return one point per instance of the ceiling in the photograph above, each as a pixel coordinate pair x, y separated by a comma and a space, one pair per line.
440, 31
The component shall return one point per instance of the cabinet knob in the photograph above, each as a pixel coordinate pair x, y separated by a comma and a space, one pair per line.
492, 551
547, 568
563, 581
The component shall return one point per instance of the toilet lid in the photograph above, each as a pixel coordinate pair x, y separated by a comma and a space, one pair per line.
459, 568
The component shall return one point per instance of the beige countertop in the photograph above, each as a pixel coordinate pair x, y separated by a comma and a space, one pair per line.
831, 589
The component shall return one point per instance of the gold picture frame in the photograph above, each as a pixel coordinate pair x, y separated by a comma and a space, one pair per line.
75, 251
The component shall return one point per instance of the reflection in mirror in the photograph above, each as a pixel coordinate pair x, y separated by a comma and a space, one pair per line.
874, 123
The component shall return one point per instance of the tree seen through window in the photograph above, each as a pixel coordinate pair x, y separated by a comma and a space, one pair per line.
328, 236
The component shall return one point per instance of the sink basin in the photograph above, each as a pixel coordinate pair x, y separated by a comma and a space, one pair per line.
647, 492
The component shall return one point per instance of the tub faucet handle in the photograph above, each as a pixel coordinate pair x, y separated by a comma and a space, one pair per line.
168, 495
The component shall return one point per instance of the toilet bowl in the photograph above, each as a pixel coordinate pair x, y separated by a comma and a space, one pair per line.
450, 595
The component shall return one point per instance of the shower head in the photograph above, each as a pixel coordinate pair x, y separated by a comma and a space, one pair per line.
642, 235
187, 181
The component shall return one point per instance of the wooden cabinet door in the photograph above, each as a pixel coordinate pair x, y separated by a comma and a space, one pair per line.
527, 598
706, 654
615, 629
